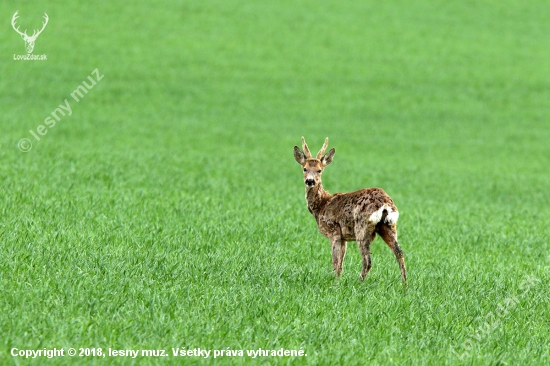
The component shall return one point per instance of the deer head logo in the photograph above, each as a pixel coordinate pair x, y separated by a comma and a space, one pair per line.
29, 40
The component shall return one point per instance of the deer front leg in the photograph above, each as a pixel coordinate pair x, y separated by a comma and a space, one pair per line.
338, 254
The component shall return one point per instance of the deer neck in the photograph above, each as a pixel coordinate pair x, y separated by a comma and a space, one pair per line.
316, 198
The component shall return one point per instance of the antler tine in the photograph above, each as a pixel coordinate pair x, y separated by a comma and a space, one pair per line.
305, 148
13, 19
322, 151
43, 24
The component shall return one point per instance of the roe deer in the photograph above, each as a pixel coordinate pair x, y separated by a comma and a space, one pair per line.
353, 216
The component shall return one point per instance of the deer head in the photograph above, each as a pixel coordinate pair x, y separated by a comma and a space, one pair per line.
29, 40
313, 167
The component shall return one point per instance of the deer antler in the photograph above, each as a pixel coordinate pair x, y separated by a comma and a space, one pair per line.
13, 19
37, 32
322, 151
306, 149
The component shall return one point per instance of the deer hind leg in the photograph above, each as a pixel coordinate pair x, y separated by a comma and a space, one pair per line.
364, 248
389, 235
364, 240
338, 254
340, 265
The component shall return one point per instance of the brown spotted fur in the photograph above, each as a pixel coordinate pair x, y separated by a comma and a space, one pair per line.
344, 217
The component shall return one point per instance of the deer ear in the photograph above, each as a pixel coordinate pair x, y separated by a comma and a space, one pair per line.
299, 155
327, 158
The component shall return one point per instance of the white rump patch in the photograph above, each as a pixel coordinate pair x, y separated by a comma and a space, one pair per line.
391, 217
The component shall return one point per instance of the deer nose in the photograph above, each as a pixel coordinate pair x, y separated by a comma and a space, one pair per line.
310, 182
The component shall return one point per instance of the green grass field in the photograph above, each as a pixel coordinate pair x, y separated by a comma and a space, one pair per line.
167, 210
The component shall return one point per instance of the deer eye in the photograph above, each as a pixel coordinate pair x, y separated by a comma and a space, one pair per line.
305, 170
318, 171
